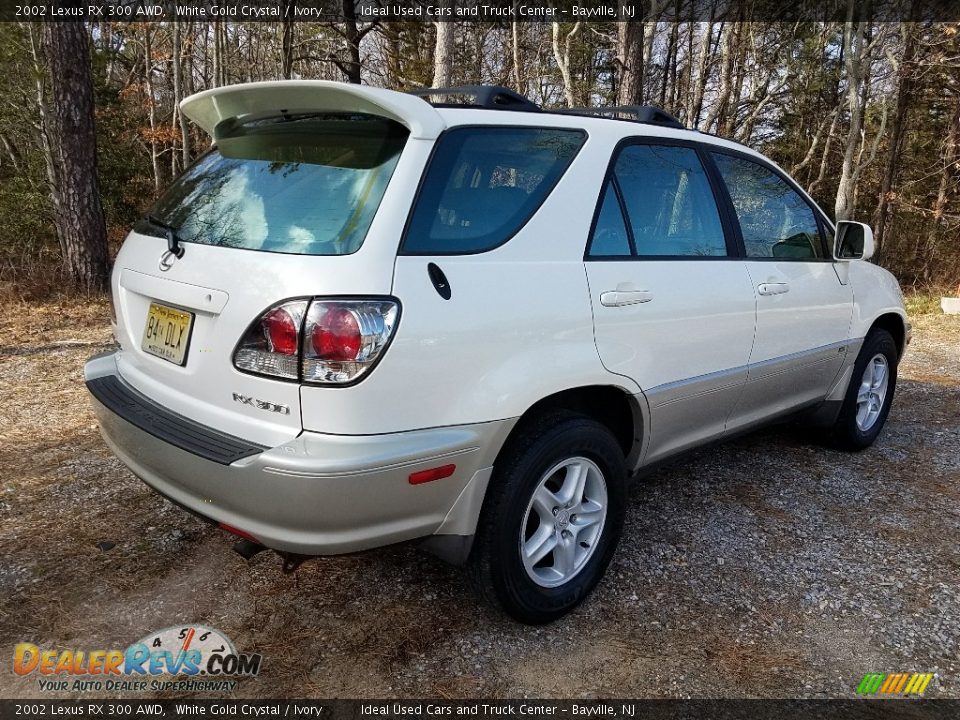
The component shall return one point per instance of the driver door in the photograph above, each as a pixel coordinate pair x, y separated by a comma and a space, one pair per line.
803, 310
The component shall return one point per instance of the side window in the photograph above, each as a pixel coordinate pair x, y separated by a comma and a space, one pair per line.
483, 184
670, 206
609, 237
776, 222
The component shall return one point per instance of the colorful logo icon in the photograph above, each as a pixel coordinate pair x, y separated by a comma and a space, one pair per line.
902, 684
190, 650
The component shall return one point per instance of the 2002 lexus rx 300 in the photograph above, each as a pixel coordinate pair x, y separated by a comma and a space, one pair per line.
361, 318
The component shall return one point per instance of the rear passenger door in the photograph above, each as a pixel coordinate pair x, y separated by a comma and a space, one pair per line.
673, 305
803, 310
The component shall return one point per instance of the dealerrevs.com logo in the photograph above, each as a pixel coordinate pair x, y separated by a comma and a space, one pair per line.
205, 656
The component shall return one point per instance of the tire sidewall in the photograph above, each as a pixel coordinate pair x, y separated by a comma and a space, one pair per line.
879, 342
521, 596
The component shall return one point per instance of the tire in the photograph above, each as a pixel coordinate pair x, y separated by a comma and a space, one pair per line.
539, 468
860, 421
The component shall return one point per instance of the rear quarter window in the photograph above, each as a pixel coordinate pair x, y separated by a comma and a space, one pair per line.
483, 184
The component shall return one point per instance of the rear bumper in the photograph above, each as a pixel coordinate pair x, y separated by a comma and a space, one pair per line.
317, 494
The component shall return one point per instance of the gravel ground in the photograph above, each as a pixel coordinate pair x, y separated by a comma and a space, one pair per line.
768, 566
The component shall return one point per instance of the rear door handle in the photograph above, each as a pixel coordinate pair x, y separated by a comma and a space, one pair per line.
777, 288
619, 298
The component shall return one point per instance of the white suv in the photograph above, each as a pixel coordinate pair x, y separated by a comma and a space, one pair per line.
362, 318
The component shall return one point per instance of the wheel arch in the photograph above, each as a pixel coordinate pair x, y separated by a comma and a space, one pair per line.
621, 412
896, 325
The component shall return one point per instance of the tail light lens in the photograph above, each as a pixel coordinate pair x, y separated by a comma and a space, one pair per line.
328, 342
343, 338
281, 331
270, 346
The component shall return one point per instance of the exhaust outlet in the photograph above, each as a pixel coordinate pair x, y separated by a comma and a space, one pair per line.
247, 548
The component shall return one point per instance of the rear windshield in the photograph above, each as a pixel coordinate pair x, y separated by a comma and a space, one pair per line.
308, 185
483, 184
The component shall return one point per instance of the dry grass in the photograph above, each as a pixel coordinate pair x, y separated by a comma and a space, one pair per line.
749, 664
927, 302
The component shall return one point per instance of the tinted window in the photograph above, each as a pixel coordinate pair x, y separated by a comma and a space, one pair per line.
483, 184
609, 234
774, 219
670, 206
308, 185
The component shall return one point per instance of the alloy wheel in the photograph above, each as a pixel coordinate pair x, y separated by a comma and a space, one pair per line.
564, 521
872, 392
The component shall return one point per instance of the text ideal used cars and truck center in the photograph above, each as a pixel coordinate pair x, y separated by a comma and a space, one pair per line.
363, 318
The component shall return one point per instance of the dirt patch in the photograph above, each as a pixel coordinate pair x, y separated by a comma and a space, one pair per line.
767, 566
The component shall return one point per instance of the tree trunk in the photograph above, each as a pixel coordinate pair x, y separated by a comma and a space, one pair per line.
727, 58
699, 86
825, 158
853, 42
352, 35
37, 42
672, 75
391, 34
190, 85
562, 56
443, 55
78, 214
650, 30
728, 117
948, 175
12, 152
178, 94
217, 55
897, 134
287, 39
151, 105
630, 60
669, 102
518, 83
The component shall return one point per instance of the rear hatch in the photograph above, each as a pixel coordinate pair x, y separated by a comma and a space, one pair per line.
304, 194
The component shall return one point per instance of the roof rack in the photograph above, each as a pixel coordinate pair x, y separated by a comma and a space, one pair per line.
649, 114
491, 97
495, 97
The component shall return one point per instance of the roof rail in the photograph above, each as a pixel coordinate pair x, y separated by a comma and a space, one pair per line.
491, 97
649, 114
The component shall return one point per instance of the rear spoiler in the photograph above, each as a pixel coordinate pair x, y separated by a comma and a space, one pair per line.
260, 99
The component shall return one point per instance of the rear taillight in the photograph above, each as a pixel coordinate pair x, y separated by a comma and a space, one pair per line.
282, 331
343, 338
327, 342
335, 334
270, 346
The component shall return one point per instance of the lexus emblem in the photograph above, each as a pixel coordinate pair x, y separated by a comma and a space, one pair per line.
167, 260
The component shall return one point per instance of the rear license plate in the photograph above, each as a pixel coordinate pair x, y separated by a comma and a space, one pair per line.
167, 333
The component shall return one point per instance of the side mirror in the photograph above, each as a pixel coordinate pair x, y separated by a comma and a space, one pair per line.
853, 241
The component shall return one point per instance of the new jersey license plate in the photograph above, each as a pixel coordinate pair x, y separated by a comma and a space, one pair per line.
167, 333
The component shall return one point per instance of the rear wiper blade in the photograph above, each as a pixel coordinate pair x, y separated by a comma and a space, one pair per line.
173, 239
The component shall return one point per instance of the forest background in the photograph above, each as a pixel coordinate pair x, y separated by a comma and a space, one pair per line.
864, 114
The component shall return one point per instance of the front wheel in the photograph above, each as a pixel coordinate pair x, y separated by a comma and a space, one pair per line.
870, 394
552, 517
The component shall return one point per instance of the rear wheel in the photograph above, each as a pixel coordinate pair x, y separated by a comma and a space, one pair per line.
552, 517
870, 394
